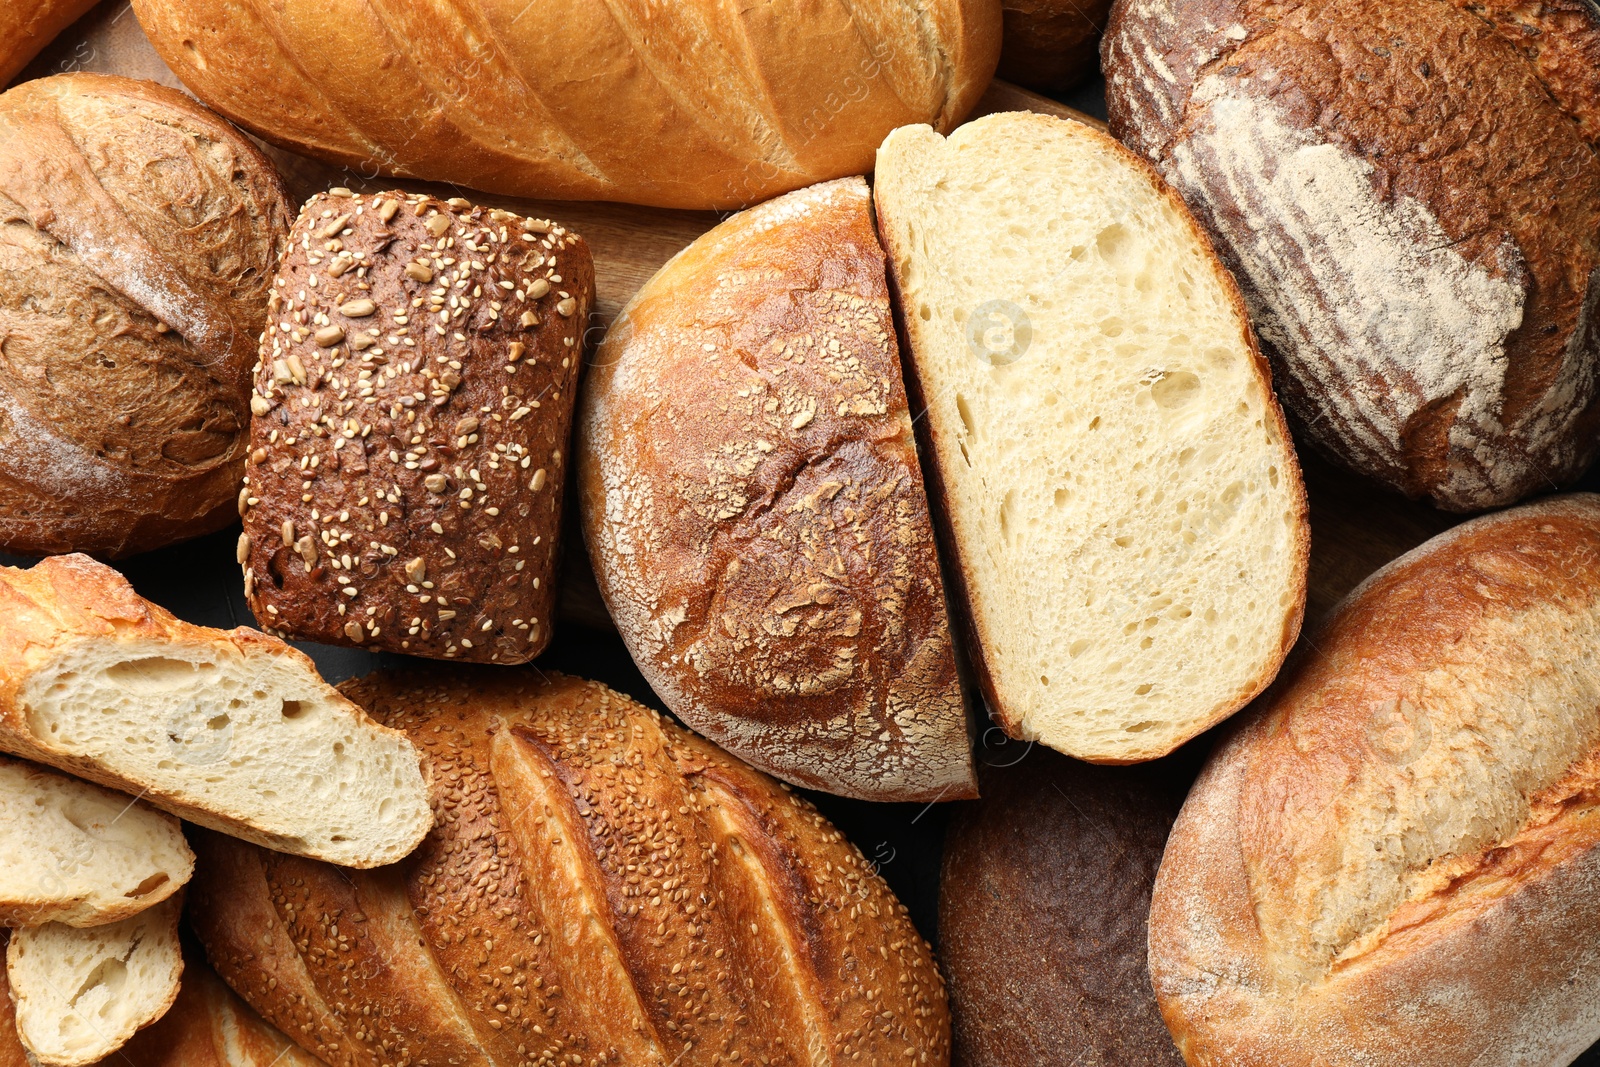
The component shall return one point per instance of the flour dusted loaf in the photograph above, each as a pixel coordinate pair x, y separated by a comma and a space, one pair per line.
1409, 194
412, 411
80, 995
1396, 859
691, 104
755, 514
26, 26
1122, 499
138, 233
228, 729
74, 853
600, 887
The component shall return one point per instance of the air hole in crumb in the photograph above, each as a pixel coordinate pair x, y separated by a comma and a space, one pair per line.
293, 709
1140, 727
965, 412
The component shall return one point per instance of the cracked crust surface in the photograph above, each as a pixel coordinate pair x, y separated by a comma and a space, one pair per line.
757, 520
1333, 148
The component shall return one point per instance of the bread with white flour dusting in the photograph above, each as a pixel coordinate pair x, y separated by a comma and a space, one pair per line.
1123, 503
1409, 194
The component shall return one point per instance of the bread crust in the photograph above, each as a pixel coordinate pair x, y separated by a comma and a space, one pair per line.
133, 277
583, 101
750, 494
600, 883
413, 414
1052, 45
1481, 955
959, 573
26, 26
1426, 285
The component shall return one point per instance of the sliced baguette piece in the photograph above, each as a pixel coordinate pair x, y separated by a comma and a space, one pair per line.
81, 994
74, 853
229, 729
1121, 499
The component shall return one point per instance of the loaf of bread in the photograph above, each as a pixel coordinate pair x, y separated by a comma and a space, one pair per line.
1052, 45
688, 105
80, 994
749, 489
26, 26
1426, 281
138, 234
1396, 858
412, 411
600, 887
75, 853
1042, 904
1123, 502
229, 729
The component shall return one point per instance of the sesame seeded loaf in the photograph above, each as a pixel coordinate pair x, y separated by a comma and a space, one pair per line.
412, 411
233, 730
601, 887
749, 488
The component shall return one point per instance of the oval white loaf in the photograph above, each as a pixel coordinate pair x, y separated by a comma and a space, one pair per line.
1396, 858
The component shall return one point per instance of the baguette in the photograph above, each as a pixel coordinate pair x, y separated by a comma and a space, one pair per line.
1395, 858
82, 994
231, 730
74, 853
27, 26
1123, 505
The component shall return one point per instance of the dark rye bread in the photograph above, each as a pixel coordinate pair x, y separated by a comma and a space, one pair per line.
1042, 907
412, 410
1051, 45
1409, 194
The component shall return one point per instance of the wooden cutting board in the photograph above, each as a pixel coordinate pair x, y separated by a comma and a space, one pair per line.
1356, 528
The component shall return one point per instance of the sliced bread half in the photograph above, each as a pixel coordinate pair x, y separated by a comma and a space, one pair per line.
81, 994
74, 853
1120, 494
233, 730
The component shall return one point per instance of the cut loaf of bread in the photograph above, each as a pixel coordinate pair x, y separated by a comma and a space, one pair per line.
81, 994
74, 853
231, 730
1120, 493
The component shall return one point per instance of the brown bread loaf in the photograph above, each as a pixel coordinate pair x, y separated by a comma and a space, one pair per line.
1052, 45
1042, 905
26, 26
138, 233
1409, 194
413, 407
756, 518
690, 104
601, 887
1396, 858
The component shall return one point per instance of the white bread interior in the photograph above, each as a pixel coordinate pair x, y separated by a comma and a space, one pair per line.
1122, 497
74, 853
81, 994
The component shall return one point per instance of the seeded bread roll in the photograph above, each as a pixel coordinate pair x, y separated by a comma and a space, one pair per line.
601, 887
26, 26
1409, 194
750, 494
412, 412
138, 233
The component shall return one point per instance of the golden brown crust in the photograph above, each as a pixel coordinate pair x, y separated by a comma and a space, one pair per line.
133, 274
1396, 858
413, 411
26, 26
750, 494
600, 884
1052, 45
582, 102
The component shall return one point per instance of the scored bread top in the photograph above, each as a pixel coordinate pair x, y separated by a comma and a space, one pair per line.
750, 492
1406, 831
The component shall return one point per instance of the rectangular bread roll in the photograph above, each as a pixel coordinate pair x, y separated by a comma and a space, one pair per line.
412, 412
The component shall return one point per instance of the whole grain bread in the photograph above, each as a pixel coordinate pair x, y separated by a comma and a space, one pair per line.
601, 887
138, 234
749, 488
1396, 857
1426, 282
413, 408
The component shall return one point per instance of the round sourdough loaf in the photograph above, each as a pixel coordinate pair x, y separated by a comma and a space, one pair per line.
601, 887
1052, 45
690, 104
750, 494
1396, 858
138, 234
1409, 194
